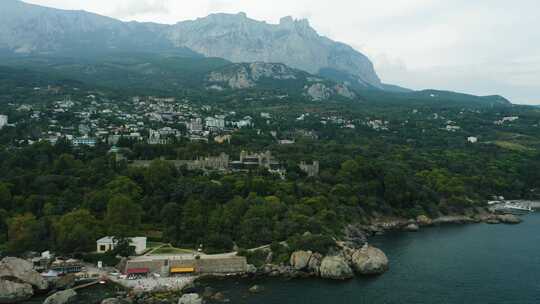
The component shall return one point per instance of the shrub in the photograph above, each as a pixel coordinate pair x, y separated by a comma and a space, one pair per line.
313, 242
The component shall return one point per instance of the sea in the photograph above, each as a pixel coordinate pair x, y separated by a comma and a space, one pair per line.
455, 264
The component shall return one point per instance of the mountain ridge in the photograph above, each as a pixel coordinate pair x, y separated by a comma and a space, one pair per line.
32, 29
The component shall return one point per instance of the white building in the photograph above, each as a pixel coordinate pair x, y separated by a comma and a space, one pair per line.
84, 141
472, 139
214, 122
107, 244
195, 125
3, 121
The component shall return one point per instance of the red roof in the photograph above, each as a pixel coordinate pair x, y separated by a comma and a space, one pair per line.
138, 271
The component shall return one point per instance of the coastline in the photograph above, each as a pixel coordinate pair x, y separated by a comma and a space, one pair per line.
353, 257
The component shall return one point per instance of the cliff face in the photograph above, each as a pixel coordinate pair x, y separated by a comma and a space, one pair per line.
292, 42
277, 75
33, 29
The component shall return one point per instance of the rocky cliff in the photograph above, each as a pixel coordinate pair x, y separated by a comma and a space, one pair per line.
293, 42
275, 75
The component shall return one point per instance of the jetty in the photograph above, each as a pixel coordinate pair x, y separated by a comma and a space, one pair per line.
514, 206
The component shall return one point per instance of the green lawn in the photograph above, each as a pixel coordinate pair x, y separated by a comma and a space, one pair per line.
154, 244
168, 249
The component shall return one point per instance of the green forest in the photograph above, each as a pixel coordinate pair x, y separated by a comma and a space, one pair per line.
62, 198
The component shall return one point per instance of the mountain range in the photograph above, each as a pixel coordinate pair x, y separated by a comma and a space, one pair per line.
32, 29
214, 53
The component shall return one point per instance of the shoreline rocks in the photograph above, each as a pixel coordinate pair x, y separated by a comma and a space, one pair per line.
453, 219
424, 221
18, 280
369, 261
256, 289
190, 298
335, 268
412, 228
300, 259
61, 297
13, 292
22, 271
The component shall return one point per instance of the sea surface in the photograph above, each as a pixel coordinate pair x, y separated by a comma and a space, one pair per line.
459, 264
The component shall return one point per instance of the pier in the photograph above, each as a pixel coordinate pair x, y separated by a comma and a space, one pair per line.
87, 285
514, 206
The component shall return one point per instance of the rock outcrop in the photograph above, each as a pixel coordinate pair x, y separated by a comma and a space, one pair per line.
318, 91
251, 269
412, 228
112, 301
321, 91
248, 75
300, 259
19, 270
510, 219
190, 298
65, 282
459, 219
355, 236
256, 289
61, 297
314, 265
423, 220
369, 261
335, 268
13, 292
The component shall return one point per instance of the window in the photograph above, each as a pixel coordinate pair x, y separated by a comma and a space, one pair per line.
102, 248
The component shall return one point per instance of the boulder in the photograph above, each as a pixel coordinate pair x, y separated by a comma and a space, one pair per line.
423, 220
61, 297
112, 301
251, 269
509, 219
190, 298
412, 228
300, 259
315, 263
335, 268
208, 292
218, 297
256, 289
21, 271
369, 261
65, 282
13, 292
492, 221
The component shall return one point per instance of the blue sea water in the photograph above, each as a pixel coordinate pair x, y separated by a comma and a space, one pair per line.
477, 263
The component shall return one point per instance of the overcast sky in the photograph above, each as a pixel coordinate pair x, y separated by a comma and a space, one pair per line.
481, 46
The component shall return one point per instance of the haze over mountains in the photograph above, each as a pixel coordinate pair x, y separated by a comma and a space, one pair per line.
29, 30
